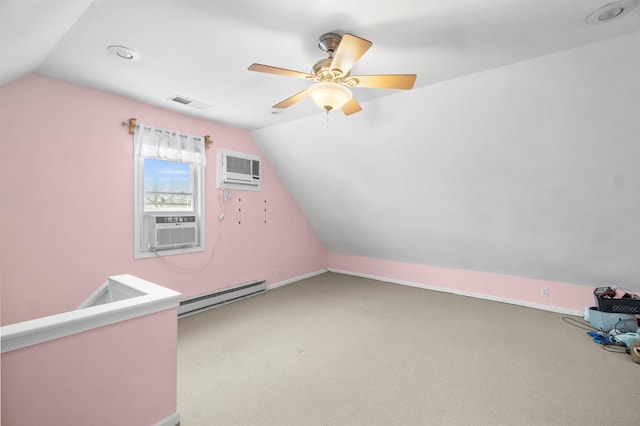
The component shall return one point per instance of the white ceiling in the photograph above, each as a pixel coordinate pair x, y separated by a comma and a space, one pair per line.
201, 49
517, 152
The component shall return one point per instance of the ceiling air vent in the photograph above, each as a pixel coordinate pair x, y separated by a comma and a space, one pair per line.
190, 102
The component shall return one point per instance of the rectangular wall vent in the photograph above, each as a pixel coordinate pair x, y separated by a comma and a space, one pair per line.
208, 301
189, 102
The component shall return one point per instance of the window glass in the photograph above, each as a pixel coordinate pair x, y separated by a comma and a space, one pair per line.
168, 185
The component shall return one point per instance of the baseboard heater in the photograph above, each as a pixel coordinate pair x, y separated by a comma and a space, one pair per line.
212, 300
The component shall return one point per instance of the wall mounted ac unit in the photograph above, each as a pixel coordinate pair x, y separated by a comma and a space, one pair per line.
163, 232
236, 170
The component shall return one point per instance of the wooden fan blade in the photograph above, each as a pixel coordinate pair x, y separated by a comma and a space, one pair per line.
279, 71
292, 100
390, 81
349, 51
351, 107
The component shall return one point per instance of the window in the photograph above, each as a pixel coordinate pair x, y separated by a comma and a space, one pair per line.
168, 186
169, 192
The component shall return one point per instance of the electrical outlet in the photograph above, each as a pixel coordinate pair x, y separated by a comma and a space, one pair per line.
544, 292
278, 272
381, 267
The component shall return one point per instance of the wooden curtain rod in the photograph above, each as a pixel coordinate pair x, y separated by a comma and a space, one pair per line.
132, 126
132, 130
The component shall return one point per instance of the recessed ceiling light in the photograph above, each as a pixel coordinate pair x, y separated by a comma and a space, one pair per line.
611, 11
124, 53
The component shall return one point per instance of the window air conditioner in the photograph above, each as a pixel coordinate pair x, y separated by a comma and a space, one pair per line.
238, 171
165, 232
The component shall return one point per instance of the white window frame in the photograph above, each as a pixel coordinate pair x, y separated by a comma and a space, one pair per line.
198, 210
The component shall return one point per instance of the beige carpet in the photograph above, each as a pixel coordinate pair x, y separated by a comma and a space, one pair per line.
340, 350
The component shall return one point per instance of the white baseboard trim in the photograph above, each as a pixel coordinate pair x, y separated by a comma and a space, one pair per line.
295, 279
526, 304
172, 420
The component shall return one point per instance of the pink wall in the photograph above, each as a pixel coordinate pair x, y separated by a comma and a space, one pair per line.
563, 297
122, 374
66, 179
67, 213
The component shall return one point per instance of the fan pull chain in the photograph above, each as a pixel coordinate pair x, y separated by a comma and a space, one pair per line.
327, 118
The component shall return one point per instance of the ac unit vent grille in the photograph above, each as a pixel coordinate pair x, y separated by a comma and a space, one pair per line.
176, 236
238, 165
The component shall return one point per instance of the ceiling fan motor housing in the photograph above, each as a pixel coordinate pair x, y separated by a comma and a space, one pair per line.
329, 42
321, 68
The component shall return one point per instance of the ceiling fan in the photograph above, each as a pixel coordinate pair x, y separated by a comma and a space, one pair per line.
331, 76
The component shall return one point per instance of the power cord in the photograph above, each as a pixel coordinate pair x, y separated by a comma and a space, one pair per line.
617, 348
605, 341
224, 198
579, 324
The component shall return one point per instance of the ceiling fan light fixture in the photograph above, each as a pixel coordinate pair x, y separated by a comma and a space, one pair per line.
329, 96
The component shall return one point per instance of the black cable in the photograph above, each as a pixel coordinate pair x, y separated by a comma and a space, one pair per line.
579, 324
615, 348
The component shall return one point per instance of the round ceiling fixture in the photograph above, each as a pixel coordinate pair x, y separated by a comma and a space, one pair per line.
123, 52
611, 11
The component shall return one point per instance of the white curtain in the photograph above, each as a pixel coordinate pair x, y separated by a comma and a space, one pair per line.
164, 144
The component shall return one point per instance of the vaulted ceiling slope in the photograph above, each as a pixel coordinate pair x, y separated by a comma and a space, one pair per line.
201, 50
529, 170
